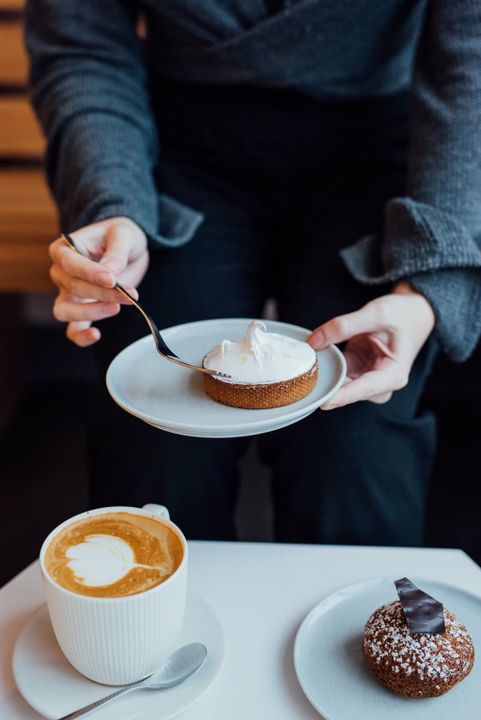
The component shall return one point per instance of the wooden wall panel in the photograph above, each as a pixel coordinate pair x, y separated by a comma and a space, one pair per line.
28, 219
13, 58
11, 5
20, 134
28, 223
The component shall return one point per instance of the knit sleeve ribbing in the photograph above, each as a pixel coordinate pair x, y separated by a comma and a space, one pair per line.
432, 236
88, 87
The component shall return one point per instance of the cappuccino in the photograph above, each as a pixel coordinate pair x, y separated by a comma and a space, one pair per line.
114, 554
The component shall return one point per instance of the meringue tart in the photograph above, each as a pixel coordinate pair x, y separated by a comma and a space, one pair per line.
267, 370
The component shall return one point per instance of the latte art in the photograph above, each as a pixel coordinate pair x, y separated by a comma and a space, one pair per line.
101, 560
113, 555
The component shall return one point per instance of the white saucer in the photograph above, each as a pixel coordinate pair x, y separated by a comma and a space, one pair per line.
335, 677
50, 684
172, 398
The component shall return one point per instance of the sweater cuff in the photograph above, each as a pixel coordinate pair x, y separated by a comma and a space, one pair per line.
455, 296
169, 224
438, 255
417, 238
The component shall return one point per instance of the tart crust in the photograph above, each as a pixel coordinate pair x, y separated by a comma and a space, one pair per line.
259, 396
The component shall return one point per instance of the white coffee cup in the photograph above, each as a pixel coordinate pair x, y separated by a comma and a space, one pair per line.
117, 641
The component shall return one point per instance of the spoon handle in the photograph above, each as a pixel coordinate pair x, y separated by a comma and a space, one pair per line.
162, 347
103, 701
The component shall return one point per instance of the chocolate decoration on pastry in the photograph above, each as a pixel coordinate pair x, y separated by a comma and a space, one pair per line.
423, 613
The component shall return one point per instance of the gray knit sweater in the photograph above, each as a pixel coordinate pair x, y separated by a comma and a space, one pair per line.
88, 80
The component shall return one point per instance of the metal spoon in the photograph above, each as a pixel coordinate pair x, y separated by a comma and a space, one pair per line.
178, 667
160, 344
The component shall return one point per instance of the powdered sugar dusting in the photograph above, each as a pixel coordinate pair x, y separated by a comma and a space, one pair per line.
421, 657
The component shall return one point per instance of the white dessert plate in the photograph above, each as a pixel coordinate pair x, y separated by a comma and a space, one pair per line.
54, 688
336, 679
172, 398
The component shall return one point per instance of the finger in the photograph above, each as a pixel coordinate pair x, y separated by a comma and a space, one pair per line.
84, 289
71, 263
381, 399
82, 334
68, 310
135, 270
344, 327
382, 346
119, 244
369, 385
89, 239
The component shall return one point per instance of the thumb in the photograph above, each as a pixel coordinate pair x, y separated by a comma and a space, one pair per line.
119, 241
344, 327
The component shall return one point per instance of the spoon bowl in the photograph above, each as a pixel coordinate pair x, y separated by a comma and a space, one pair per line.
179, 666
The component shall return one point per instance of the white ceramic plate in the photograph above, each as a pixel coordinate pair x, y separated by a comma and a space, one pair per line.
336, 679
172, 398
54, 688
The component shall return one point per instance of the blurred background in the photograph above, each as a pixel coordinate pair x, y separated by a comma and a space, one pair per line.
49, 388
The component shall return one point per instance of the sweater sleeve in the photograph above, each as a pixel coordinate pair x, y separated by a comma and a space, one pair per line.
88, 87
432, 237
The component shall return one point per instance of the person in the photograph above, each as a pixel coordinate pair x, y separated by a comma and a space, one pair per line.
319, 153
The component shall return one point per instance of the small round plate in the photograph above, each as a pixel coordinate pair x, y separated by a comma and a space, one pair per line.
335, 677
54, 688
172, 398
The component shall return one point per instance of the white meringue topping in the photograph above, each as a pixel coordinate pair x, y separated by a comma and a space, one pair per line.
261, 357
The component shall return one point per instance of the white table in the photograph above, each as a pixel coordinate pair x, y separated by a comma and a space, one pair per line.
261, 593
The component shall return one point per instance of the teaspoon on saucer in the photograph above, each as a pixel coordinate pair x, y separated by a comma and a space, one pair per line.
160, 344
178, 667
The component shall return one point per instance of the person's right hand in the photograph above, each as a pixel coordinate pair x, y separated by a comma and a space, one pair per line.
116, 251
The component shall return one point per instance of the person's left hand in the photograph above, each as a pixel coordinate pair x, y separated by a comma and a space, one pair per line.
383, 340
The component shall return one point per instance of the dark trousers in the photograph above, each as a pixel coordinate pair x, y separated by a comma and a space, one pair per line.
454, 393
284, 183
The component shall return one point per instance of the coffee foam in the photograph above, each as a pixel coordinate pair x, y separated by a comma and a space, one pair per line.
113, 554
101, 560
